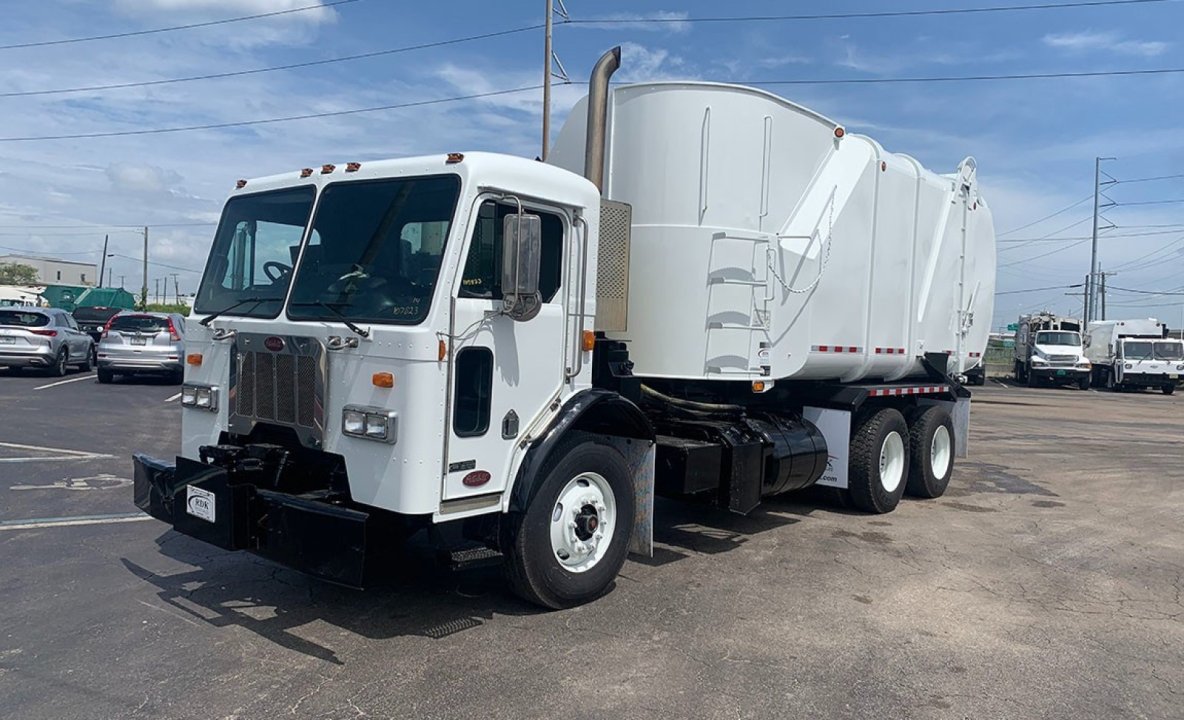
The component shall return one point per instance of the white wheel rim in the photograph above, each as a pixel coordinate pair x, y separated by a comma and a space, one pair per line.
582, 522
940, 452
892, 461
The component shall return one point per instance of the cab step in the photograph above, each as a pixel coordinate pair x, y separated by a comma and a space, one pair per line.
471, 558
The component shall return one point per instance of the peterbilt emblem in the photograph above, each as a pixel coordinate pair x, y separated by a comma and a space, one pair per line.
274, 344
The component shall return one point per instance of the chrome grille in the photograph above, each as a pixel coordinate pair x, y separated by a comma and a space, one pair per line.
279, 387
1062, 359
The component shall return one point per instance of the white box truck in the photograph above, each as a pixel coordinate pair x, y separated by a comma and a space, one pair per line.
1048, 349
709, 292
1135, 355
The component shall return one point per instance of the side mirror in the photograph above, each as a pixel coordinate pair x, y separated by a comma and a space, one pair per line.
522, 248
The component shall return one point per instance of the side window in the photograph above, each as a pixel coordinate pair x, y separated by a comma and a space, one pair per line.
256, 244
482, 275
474, 385
70, 321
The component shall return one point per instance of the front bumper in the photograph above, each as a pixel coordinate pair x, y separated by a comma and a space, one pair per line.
1151, 379
1060, 374
214, 504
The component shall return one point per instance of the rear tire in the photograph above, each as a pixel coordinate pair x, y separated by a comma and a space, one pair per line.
177, 377
84, 366
879, 464
545, 563
1168, 389
105, 376
1083, 383
931, 452
60, 363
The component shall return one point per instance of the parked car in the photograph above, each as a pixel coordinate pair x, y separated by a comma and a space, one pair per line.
46, 338
93, 318
137, 343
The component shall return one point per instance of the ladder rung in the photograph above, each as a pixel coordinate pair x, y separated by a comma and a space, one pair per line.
726, 281
733, 326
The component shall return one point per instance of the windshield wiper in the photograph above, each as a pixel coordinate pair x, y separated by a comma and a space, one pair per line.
210, 318
340, 316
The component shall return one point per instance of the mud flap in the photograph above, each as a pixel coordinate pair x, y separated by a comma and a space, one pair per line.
639, 456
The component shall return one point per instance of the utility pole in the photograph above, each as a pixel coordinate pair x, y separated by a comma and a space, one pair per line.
1091, 289
156, 290
548, 57
176, 290
103, 262
1102, 287
109, 272
144, 287
121, 282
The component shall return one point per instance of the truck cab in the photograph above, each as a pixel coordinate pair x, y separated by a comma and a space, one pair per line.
1149, 363
1050, 350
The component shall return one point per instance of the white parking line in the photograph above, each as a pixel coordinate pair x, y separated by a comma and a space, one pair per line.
174, 398
38, 523
65, 382
58, 454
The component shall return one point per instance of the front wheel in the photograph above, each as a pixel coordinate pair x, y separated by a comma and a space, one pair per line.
571, 542
85, 365
1083, 383
879, 461
1168, 389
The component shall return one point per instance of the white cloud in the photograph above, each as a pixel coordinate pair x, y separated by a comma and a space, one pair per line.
1107, 41
141, 178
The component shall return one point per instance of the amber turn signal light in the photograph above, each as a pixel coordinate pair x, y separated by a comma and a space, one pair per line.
383, 380
587, 341
193, 359
441, 351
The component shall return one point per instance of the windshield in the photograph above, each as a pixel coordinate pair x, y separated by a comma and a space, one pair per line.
253, 253
1058, 338
1140, 350
375, 250
139, 323
1169, 351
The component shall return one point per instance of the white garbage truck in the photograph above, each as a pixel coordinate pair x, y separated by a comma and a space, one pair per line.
708, 293
1135, 355
1048, 349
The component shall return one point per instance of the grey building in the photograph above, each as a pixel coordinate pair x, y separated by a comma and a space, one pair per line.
51, 271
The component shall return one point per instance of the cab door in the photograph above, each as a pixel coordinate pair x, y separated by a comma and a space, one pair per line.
502, 373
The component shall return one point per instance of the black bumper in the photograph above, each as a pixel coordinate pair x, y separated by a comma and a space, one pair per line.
1148, 380
204, 501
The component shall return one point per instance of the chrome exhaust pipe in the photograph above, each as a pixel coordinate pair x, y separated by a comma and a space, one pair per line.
598, 115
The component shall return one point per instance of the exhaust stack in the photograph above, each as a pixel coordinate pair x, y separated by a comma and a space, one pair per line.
598, 115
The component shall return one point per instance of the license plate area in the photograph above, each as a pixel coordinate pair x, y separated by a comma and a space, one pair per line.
7, 340
201, 503
139, 341
1060, 373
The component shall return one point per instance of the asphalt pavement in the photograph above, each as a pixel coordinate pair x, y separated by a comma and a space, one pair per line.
1046, 583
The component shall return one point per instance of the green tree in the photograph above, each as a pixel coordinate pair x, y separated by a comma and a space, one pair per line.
17, 274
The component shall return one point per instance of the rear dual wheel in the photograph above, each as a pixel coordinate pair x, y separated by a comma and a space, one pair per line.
890, 457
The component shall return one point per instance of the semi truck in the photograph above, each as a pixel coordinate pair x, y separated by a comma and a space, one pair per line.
1048, 349
708, 292
1135, 354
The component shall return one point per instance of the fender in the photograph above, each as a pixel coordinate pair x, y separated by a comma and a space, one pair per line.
594, 410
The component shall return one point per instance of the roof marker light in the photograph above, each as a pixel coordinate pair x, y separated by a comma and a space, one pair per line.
353, 167
306, 172
327, 168
454, 158
241, 184
840, 132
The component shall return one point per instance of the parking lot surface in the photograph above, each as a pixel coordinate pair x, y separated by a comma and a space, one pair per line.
1046, 583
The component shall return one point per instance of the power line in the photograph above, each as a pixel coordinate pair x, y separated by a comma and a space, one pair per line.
274, 68
1149, 179
1050, 252
851, 15
1049, 236
1049, 217
968, 78
1151, 202
475, 96
1079, 237
290, 118
190, 26
1129, 263
1050, 287
158, 264
1148, 292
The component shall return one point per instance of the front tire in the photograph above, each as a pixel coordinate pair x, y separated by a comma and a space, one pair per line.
931, 452
1083, 383
1168, 389
879, 462
571, 542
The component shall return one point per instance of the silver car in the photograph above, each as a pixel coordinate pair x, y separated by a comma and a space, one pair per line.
46, 338
143, 343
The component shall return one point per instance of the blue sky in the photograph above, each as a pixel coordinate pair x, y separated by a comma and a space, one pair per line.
1034, 140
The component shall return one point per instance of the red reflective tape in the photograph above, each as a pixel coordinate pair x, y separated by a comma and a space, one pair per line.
879, 350
853, 349
822, 348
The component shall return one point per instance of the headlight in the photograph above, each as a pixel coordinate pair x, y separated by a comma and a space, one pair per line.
1180, 367
1038, 360
1128, 366
1083, 363
371, 423
200, 396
